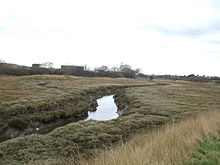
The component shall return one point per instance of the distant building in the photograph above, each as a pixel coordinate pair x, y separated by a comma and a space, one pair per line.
72, 69
35, 66
11, 66
14, 69
27, 67
101, 71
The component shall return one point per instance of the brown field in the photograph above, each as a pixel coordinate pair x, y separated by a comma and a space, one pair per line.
14, 88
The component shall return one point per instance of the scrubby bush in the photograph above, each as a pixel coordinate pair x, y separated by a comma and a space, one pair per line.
18, 123
3, 126
16, 109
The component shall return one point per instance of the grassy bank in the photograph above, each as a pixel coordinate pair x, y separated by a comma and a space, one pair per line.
171, 144
149, 106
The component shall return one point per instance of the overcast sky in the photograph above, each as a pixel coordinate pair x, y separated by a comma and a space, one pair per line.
159, 36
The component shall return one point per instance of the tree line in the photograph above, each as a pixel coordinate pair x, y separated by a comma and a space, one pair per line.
124, 70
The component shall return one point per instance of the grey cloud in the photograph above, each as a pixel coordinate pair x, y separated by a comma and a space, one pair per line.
213, 41
216, 3
194, 32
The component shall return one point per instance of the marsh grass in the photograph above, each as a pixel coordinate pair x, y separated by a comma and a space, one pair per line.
149, 106
170, 144
45, 98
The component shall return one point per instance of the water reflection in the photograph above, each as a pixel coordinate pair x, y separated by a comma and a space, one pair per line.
106, 109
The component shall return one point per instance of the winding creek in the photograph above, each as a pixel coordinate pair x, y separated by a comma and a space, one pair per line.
106, 109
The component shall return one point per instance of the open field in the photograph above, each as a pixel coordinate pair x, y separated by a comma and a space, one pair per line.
150, 104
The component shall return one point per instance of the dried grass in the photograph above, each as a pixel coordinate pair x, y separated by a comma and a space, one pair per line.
170, 144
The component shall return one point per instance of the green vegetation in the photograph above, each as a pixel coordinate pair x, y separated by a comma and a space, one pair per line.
150, 104
208, 152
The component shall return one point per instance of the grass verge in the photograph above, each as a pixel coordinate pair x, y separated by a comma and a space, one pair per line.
208, 152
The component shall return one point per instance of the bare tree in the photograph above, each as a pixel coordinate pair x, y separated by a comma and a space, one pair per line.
115, 69
47, 65
127, 70
138, 70
86, 68
105, 68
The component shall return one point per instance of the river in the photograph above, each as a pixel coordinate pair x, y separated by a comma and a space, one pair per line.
106, 109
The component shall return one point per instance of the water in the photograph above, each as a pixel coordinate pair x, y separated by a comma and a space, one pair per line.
106, 109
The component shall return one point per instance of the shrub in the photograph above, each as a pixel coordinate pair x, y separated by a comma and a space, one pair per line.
18, 123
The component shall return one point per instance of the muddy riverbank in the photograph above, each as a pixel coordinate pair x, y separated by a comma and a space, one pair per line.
85, 102
44, 117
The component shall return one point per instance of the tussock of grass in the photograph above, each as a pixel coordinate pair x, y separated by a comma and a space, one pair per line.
35, 147
171, 144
